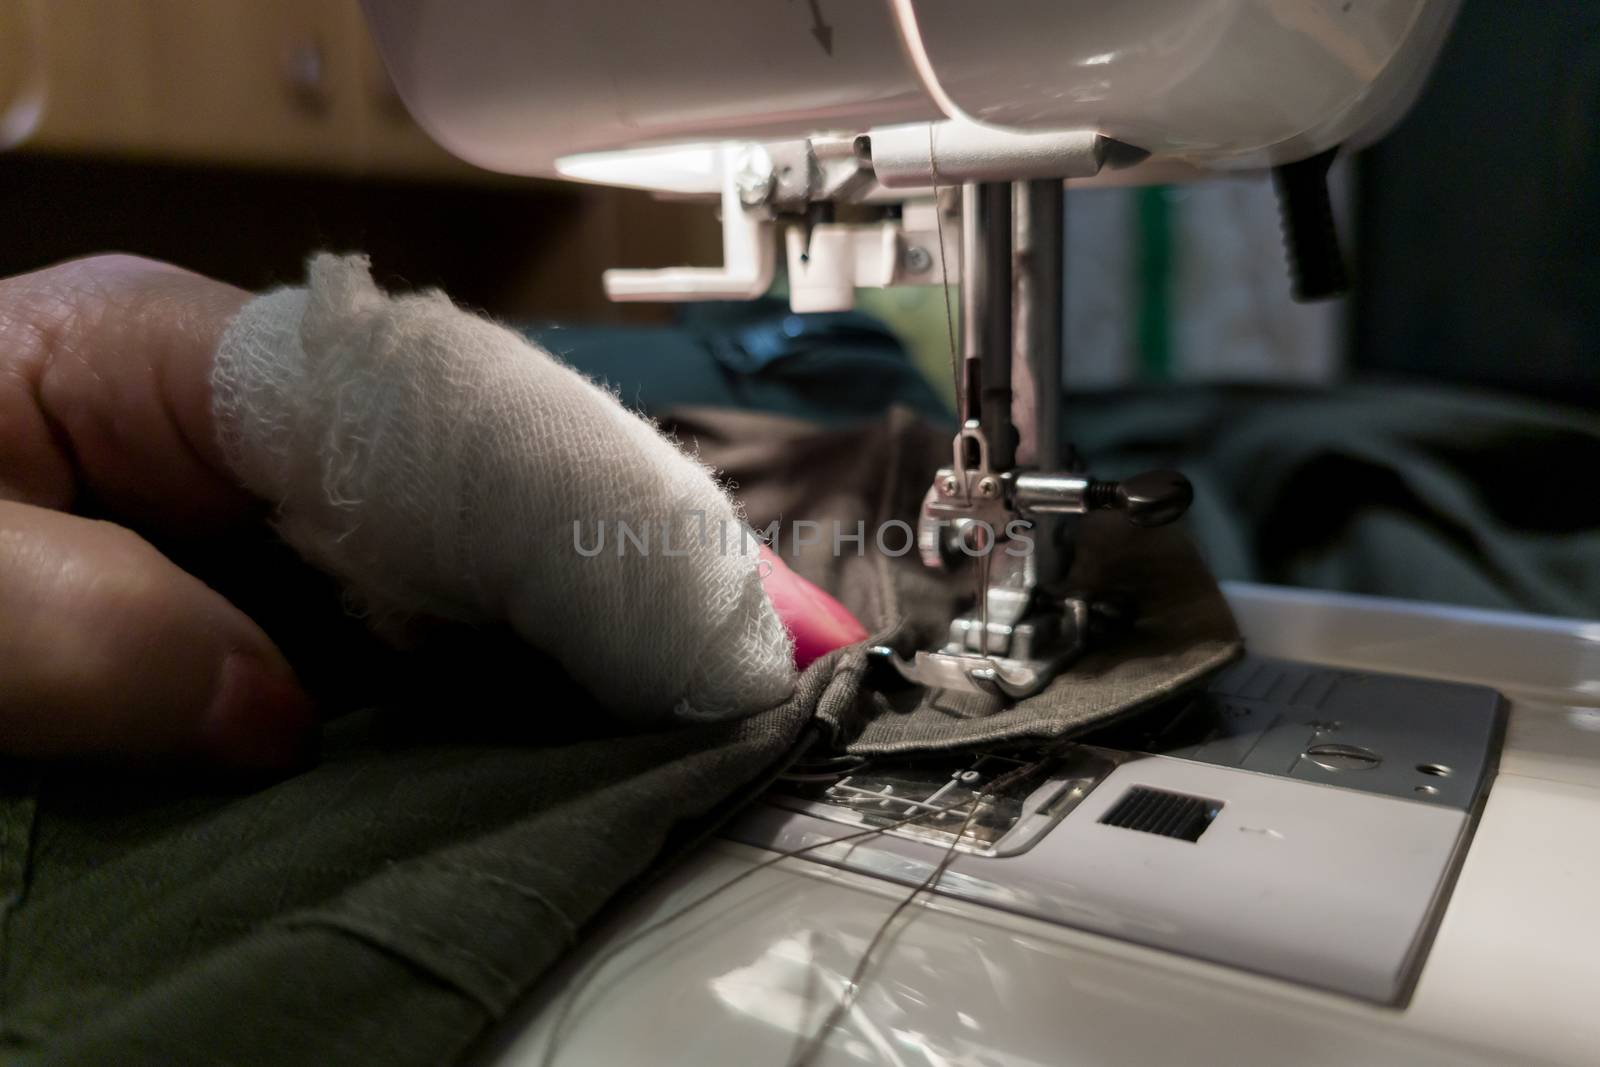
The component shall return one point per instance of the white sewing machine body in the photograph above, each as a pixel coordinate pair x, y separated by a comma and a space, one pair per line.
531, 85
1322, 876
771, 107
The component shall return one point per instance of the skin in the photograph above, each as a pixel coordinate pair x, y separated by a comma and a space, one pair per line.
108, 650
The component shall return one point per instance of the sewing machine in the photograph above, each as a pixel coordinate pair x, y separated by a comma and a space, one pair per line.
1337, 852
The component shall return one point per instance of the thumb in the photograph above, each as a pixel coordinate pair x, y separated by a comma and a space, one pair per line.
107, 649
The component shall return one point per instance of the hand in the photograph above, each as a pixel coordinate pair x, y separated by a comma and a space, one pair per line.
107, 649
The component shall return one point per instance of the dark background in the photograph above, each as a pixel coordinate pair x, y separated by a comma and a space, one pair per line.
1479, 232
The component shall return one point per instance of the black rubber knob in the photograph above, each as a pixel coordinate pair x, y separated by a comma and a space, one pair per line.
1310, 238
1153, 498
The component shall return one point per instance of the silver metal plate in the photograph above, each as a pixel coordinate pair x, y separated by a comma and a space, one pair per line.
945, 785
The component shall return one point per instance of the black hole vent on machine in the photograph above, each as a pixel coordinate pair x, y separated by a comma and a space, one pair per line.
1155, 811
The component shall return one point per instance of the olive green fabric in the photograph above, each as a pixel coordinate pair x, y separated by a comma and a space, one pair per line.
381, 907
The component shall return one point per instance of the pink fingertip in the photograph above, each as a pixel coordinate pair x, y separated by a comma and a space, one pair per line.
816, 621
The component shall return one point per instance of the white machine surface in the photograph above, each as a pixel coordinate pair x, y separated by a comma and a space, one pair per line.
1509, 977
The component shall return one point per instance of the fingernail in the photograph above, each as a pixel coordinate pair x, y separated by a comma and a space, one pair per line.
260, 718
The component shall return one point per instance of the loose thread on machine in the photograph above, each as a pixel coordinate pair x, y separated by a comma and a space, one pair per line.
583, 981
813, 1044
847, 998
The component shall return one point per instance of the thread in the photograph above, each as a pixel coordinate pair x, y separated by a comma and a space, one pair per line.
584, 980
814, 1044
944, 275
807, 1052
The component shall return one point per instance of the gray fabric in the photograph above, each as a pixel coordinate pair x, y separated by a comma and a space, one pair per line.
783, 468
1385, 488
1182, 633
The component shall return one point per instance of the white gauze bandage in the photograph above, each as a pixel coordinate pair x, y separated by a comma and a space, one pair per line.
437, 463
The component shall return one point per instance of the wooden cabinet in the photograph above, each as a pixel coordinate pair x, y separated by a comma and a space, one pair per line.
287, 136
293, 83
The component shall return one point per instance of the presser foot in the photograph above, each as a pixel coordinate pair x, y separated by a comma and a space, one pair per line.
1007, 661
1004, 524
